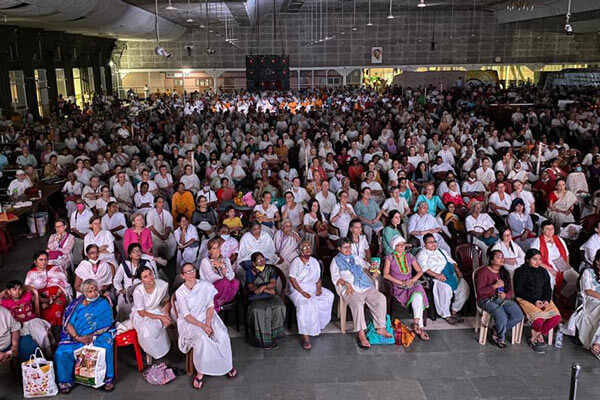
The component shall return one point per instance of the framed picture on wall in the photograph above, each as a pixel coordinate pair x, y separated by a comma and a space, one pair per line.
376, 55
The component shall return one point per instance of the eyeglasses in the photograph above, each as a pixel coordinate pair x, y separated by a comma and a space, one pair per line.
431, 241
189, 272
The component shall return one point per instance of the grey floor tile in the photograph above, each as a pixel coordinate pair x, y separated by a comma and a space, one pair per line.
402, 389
503, 387
448, 388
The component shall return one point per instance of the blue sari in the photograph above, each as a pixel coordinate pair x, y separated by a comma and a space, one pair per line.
94, 319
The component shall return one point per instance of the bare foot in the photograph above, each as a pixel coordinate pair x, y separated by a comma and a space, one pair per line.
596, 348
362, 339
384, 333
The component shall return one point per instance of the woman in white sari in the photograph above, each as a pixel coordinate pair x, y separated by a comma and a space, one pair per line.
286, 245
200, 328
93, 268
103, 239
313, 302
187, 240
150, 315
587, 316
256, 241
560, 205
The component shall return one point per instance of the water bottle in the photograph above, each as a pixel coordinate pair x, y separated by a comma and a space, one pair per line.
559, 338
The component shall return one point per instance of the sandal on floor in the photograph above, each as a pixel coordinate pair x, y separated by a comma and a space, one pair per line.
232, 374
198, 382
500, 343
420, 333
362, 346
65, 388
109, 387
306, 345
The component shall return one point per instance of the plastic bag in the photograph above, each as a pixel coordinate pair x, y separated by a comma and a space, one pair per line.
90, 366
159, 374
376, 338
38, 377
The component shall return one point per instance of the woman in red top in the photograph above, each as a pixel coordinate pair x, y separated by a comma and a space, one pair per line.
495, 295
19, 300
226, 192
355, 171
453, 195
138, 233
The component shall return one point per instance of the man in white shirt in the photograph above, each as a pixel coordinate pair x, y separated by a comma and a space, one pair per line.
235, 172
144, 201
114, 221
526, 196
449, 300
18, 186
300, 194
326, 199
485, 174
160, 222
92, 192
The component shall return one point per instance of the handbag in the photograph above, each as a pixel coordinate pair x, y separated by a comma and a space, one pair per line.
404, 336
450, 274
159, 374
38, 377
90, 365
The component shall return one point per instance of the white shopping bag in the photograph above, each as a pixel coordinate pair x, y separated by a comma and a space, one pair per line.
38, 377
90, 365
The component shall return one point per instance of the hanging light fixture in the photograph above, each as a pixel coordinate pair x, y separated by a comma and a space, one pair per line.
170, 6
189, 17
421, 4
390, 15
354, 28
369, 23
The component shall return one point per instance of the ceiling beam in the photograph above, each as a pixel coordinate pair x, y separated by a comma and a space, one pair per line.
504, 16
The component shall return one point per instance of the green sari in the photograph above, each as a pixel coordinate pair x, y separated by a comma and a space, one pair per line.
266, 313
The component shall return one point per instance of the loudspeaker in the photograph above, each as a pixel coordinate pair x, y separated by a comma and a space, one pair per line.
267, 72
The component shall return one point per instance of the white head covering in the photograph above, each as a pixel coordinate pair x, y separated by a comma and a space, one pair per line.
397, 240
20, 172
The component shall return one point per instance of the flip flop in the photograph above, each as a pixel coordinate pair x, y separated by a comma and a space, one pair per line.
198, 382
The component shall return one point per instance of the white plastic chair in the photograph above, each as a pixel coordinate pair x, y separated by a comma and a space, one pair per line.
483, 319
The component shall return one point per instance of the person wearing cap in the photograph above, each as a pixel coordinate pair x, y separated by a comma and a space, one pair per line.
18, 186
450, 290
403, 272
313, 302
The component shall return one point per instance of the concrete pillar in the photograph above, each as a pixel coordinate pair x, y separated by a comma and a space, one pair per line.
215, 74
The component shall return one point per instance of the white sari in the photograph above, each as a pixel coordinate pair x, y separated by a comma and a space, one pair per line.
313, 314
190, 253
287, 248
152, 335
103, 274
250, 244
564, 204
212, 354
103, 238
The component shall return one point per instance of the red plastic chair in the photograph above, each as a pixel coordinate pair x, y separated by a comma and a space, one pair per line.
126, 339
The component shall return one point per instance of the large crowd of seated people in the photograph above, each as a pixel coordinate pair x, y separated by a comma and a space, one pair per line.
179, 208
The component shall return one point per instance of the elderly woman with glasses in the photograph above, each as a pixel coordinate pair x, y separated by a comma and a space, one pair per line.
313, 302
87, 320
356, 286
200, 328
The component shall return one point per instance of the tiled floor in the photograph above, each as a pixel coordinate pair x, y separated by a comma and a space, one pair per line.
453, 366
